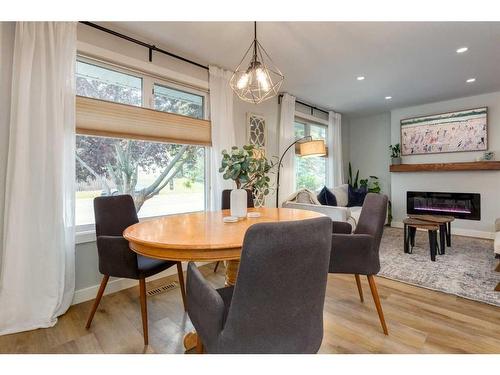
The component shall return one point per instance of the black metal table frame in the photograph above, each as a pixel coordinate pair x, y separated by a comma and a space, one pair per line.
435, 247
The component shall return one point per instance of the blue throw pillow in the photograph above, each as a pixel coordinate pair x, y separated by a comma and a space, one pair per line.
357, 196
326, 197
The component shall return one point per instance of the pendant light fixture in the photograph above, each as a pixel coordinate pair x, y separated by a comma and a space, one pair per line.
256, 78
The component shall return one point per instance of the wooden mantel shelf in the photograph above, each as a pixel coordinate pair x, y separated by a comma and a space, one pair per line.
438, 167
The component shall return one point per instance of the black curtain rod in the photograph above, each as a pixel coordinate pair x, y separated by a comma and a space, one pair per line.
305, 104
150, 47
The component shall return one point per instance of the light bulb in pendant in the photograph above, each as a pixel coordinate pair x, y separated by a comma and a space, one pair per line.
262, 79
243, 81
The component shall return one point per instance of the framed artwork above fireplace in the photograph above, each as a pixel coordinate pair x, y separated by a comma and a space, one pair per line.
458, 131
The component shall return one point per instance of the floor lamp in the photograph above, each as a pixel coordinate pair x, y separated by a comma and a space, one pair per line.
308, 147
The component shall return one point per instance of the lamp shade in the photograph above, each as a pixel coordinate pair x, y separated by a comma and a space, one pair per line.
312, 148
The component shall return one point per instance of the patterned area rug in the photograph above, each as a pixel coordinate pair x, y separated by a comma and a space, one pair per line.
466, 269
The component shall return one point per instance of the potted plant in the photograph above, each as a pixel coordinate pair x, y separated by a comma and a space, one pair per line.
248, 168
395, 154
371, 184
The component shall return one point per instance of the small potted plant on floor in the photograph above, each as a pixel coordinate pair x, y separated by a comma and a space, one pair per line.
248, 168
395, 154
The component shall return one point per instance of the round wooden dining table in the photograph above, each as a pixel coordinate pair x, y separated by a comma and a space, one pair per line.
203, 236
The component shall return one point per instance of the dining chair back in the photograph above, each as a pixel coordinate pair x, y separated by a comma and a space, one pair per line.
358, 253
113, 214
277, 303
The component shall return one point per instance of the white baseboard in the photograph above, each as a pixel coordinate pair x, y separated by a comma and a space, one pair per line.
458, 231
115, 285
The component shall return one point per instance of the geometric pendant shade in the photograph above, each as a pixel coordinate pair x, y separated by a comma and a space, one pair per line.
256, 78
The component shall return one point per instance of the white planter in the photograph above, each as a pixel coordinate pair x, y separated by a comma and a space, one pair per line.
238, 200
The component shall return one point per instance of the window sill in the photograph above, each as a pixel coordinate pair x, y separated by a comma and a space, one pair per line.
85, 237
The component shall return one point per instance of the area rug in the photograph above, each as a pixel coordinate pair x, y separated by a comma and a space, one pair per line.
466, 269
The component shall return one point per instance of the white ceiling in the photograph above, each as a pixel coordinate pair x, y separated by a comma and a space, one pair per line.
414, 62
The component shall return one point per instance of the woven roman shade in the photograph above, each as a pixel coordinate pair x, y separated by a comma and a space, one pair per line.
108, 119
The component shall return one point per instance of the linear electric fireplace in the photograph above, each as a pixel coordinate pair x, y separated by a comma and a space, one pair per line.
460, 205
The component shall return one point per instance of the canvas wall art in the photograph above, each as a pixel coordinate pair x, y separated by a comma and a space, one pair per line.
465, 130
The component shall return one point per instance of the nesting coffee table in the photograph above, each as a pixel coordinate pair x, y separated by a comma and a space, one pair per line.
433, 225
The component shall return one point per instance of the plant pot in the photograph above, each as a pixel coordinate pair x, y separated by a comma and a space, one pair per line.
396, 161
238, 201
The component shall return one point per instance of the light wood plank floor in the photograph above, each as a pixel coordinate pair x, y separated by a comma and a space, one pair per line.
419, 321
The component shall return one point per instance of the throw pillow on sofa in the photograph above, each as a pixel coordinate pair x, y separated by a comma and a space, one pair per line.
326, 197
341, 194
356, 196
303, 196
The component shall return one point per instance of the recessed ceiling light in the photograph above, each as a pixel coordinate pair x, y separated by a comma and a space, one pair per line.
388, 97
462, 50
470, 80
360, 78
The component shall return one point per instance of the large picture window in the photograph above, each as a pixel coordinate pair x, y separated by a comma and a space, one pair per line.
310, 172
162, 178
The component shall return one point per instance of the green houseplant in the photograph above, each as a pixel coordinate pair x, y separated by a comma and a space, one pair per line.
395, 154
248, 168
371, 184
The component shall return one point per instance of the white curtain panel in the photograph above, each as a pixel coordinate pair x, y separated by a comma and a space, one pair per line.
38, 262
223, 134
336, 177
287, 137
7, 32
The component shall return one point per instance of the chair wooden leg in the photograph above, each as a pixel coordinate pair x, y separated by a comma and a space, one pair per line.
360, 289
376, 299
199, 345
144, 309
181, 283
216, 266
97, 300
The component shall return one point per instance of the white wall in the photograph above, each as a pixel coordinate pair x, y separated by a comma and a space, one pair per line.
487, 183
369, 138
6, 48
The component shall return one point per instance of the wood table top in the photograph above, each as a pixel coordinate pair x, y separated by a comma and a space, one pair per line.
433, 218
202, 235
413, 222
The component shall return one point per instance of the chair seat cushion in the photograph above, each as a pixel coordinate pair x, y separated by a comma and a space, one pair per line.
227, 295
149, 267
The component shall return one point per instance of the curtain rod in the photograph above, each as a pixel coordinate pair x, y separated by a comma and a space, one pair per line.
150, 47
305, 104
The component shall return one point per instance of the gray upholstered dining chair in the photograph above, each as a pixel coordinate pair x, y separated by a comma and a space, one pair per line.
226, 205
358, 253
113, 215
277, 303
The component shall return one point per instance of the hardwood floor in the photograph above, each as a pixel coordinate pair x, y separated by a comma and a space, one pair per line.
419, 321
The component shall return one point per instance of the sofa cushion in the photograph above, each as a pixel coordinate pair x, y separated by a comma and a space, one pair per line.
354, 217
341, 194
326, 197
